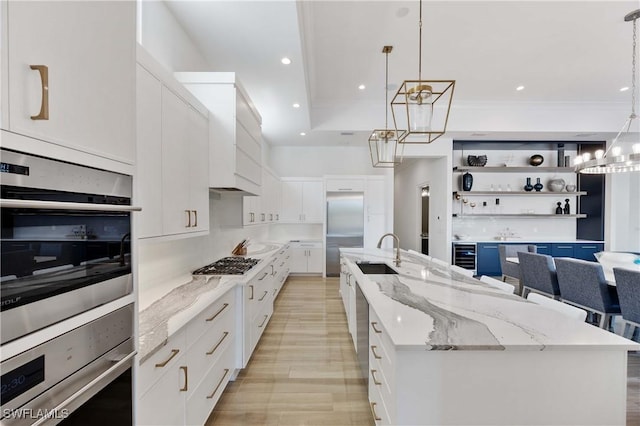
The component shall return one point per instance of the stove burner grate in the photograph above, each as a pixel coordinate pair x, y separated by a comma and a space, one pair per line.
228, 266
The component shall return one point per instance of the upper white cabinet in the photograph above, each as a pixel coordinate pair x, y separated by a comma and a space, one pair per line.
173, 149
266, 207
73, 62
302, 201
374, 211
235, 133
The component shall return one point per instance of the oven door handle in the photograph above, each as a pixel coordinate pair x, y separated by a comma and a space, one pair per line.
60, 205
80, 397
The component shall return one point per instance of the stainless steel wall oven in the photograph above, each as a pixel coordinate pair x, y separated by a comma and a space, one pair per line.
65, 241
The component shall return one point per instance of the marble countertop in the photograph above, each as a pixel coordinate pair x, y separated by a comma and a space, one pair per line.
168, 308
429, 306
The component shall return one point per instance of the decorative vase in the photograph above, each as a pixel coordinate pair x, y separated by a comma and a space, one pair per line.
536, 160
561, 162
467, 181
538, 185
570, 188
556, 185
559, 208
528, 187
567, 209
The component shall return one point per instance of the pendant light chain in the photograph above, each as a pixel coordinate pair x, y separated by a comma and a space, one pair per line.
633, 72
386, 92
420, 44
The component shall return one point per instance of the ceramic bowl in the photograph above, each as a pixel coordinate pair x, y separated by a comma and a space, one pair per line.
556, 185
570, 188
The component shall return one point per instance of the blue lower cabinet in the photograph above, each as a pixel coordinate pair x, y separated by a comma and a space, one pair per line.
543, 248
488, 259
562, 249
586, 251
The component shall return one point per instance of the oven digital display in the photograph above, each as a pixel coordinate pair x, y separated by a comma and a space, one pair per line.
18, 381
14, 168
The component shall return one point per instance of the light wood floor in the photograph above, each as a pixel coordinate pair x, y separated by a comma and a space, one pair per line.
304, 371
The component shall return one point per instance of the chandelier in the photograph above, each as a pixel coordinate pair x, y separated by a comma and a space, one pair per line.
383, 143
422, 106
623, 155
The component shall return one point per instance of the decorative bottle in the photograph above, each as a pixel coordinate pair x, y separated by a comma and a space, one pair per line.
567, 209
467, 181
538, 185
559, 208
528, 187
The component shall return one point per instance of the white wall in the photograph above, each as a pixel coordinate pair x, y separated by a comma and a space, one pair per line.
431, 165
317, 161
166, 40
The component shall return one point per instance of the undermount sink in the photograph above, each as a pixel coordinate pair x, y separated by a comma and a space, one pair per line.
375, 268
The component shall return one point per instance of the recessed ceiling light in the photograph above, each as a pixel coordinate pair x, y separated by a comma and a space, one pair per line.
303, 134
362, 87
519, 88
624, 89
296, 105
285, 61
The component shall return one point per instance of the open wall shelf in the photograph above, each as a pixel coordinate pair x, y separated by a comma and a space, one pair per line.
523, 169
529, 193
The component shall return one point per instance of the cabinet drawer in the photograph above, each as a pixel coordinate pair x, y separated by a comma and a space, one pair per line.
220, 311
488, 259
206, 352
207, 394
378, 409
258, 326
379, 337
164, 360
562, 250
163, 403
587, 251
543, 248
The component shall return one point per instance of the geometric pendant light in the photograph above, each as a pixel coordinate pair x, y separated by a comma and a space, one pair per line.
383, 143
422, 106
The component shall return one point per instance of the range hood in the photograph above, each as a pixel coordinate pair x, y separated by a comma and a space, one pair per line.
235, 132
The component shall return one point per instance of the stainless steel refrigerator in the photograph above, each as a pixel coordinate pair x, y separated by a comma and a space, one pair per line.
345, 226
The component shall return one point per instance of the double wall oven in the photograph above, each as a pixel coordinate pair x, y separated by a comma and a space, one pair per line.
66, 249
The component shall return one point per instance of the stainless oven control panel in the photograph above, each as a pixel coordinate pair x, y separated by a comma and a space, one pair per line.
44, 377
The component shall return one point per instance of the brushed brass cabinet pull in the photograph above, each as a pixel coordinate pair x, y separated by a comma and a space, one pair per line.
44, 103
195, 214
373, 325
188, 212
373, 375
373, 411
225, 334
263, 296
263, 321
174, 352
373, 350
186, 379
251, 297
262, 277
218, 313
226, 371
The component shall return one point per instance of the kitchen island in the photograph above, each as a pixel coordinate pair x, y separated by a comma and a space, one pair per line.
447, 349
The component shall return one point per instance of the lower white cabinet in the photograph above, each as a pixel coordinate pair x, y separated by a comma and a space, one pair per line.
258, 308
306, 257
181, 382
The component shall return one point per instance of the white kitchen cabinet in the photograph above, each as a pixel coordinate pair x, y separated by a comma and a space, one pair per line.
252, 210
306, 257
374, 211
172, 147
235, 132
88, 49
263, 209
181, 383
302, 201
161, 383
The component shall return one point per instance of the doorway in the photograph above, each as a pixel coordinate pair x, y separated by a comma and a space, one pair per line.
423, 202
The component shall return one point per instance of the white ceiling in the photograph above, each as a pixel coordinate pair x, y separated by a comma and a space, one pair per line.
561, 51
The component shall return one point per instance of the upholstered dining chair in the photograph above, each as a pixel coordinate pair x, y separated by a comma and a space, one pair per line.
564, 308
509, 288
538, 274
628, 286
512, 269
582, 283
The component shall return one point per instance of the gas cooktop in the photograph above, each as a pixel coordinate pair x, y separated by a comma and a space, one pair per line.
228, 266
